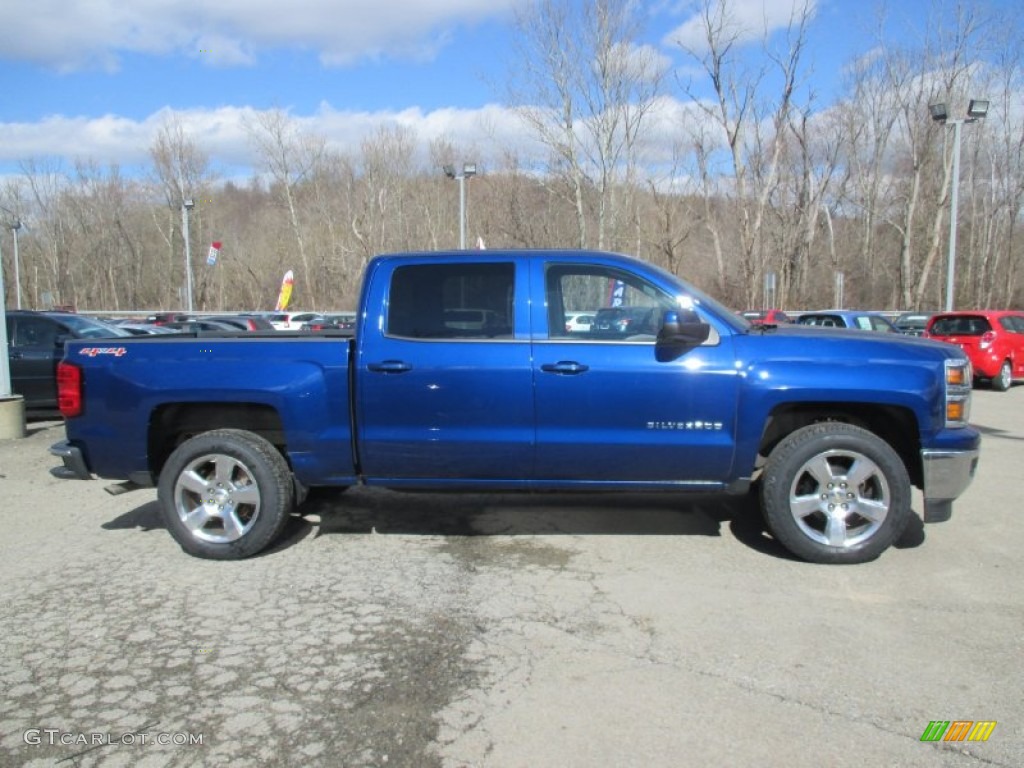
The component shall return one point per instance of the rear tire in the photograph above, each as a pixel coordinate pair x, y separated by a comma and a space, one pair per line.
835, 493
225, 494
1002, 381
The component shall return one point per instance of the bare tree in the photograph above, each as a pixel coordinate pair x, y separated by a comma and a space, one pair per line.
181, 171
751, 124
585, 87
289, 155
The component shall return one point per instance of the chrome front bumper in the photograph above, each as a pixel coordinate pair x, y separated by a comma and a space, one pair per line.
946, 475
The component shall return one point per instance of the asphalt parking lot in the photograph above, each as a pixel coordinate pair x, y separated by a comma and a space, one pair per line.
411, 630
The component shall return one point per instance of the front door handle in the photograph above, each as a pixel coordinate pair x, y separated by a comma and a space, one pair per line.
389, 366
565, 367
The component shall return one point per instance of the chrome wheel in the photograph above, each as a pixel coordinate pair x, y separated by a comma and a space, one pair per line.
216, 498
839, 498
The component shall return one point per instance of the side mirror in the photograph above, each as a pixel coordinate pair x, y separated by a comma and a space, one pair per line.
681, 329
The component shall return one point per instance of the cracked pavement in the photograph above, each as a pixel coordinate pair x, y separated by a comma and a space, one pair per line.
393, 629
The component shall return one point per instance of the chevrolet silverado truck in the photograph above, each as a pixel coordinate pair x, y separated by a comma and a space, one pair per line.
830, 428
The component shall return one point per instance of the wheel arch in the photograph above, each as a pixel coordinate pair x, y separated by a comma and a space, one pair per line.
173, 423
896, 425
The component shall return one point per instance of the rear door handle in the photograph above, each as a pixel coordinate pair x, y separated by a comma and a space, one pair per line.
389, 366
565, 367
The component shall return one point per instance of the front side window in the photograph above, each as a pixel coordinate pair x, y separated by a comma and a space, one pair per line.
624, 306
452, 301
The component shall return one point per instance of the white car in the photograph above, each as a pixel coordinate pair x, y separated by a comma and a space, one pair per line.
290, 321
579, 322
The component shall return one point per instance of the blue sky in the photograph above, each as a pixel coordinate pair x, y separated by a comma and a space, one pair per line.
94, 79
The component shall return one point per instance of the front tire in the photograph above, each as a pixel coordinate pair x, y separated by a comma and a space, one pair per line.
225, 494
1002, 381
835, 493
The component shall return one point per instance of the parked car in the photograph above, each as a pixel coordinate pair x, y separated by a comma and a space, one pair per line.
161, 318
619, 322
992, 339
848, 318
836, 428
766, 316
146, 329
241, 322
203, 325
467, 319
913, 323
35, 344
579, 322
290, 321
342, 321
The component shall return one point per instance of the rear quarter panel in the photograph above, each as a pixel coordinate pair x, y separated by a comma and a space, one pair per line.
305, 380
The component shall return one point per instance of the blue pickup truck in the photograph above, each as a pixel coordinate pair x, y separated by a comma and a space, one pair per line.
462, 374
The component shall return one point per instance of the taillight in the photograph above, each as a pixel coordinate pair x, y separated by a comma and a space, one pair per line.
986, 339
69, 390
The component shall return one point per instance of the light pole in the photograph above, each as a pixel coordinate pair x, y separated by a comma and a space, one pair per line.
17, 265
976, 110
468, 170
5, 366
15, 225
187, 205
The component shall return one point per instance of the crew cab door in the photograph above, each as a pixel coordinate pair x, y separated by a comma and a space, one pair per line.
607, 410
444, 387
34, 351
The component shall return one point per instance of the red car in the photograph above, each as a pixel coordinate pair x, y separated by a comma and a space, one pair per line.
766, 316
992, 339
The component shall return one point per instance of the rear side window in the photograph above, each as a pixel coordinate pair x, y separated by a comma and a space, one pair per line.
825, 321
961, 325
34, 332
452, 301
1013, 323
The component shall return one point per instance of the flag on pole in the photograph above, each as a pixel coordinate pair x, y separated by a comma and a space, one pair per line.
286, 292
211, 257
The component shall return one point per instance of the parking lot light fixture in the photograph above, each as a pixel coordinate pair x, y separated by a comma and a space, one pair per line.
977, 109
15, 225
17, 265
468, 170
187, 205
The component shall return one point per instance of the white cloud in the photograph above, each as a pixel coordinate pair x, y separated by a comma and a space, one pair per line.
71, 34
222, 133
746, 20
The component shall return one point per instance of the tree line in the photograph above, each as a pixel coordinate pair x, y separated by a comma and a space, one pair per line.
734, 178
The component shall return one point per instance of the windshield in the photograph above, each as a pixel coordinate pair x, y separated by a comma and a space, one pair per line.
702, 300
87, 328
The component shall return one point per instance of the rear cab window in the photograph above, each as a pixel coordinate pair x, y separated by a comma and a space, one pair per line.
452, 301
